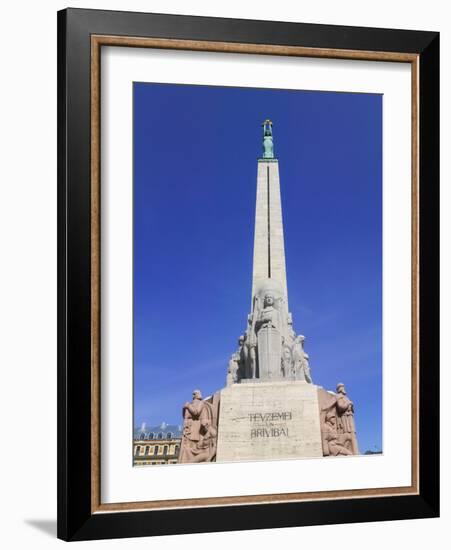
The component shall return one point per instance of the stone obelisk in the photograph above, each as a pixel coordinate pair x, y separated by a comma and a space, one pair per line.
269, 248
270, 408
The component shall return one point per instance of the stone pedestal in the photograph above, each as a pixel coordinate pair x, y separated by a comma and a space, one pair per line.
269, 421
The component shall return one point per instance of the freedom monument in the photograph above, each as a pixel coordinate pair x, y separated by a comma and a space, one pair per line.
270, 407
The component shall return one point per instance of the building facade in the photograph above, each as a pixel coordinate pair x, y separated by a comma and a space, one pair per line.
156, 444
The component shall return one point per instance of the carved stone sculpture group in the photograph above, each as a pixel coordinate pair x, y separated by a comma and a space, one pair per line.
200, 426
270, 406
269, 349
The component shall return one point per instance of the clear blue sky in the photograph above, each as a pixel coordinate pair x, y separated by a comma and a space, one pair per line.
195, 166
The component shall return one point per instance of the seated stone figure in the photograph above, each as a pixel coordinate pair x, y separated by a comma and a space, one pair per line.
334, 444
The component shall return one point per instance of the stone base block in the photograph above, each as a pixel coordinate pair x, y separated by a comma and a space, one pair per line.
269, 421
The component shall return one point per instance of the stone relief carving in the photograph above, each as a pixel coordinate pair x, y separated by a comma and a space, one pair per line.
200, 429
270, 348
333, 443
337, 422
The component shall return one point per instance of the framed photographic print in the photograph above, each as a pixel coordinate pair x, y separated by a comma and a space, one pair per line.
248, 274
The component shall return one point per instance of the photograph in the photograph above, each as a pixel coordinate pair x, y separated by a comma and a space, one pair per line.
257, 274
248, 255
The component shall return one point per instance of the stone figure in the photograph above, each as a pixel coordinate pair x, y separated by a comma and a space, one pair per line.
238, 367
233, 369
199, 430
333, 443
270, 348
269, 336
241, 357
290, 335
268, 145
287, 363
250, 354
337, 423
301, 360
269, 316
345, 410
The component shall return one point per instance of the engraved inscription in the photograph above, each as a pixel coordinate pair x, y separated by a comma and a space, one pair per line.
270, 416
270, 424
271, 432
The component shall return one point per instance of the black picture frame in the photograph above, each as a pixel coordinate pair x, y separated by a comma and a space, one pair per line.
76, 519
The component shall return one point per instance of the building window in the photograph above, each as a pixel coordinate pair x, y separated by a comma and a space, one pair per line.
169, 435
155, 450
147, 450
151, 435
160, 435
137, 449
176, 450
165, 449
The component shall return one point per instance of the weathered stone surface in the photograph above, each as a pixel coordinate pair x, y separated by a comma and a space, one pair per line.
200, 429
269, 420
268, 355
338, 431
269, 249
269, 348
271, 409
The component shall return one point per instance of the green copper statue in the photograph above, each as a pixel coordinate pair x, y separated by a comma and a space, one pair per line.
268, 145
